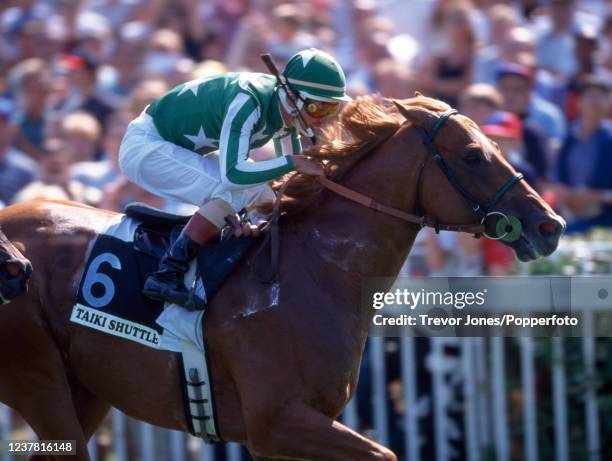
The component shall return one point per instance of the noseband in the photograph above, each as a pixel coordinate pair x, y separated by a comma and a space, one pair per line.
508, 227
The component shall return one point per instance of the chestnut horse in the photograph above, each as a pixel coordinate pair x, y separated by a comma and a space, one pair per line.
284, 357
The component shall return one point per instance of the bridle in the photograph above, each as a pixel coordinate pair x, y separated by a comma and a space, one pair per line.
508, 227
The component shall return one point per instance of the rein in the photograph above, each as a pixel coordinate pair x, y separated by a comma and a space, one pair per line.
421, 220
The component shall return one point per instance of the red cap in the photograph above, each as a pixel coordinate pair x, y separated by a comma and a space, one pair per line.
77, 61
72, 62
504, 125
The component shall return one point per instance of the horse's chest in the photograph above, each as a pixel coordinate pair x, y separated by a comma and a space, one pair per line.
330, 377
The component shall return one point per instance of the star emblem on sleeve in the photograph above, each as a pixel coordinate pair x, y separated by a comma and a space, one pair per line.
192, 86
200, 140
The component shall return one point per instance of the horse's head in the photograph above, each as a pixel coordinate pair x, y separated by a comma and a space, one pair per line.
15, 271
464, 178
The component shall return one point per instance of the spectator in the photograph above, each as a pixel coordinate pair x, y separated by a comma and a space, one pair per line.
479, 101
585, 53
165, 51
116, 12
584, 171
372, 36
101, 173
503, 20
122, 71
555, 48
81, 133
450, 72
437, 37
393, 80
518, 46
30, 39
288, 33
142, 95
15, 171
519, 43
94, 36
604, 58
55, 182
31, 80
83, 94
515, 83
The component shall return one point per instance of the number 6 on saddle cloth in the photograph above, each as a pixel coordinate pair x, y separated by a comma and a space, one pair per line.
123, 255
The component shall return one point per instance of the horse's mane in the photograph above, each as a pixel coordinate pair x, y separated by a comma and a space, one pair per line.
365, 123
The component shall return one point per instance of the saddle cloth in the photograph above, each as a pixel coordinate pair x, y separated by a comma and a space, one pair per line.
109, 298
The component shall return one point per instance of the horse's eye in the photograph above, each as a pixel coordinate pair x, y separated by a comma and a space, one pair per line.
473, 158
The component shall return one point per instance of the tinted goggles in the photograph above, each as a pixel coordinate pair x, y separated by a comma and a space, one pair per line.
320, 109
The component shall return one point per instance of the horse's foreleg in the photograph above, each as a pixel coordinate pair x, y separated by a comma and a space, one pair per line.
33, 379
53, 417
303, 433
90, 409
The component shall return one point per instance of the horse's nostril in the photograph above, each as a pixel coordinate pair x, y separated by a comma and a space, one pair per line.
550, 228
17, 268
13, 269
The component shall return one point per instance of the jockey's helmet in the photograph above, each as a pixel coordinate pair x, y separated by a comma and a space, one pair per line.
316, 75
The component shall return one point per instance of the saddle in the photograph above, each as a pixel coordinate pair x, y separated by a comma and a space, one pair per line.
215, 262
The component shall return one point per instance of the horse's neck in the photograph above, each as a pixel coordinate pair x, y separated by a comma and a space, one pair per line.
360, 240
357, 242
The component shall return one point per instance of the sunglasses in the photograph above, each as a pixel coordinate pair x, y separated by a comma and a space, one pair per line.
320, 109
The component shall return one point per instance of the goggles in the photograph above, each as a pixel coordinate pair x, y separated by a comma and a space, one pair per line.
320, 109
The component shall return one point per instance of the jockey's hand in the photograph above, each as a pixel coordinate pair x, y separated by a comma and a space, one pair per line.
242, 229
247, 230
308, 166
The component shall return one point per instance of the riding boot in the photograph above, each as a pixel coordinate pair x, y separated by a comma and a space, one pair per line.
167, 283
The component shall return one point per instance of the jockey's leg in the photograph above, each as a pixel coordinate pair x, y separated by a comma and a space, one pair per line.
300, 432
167, 283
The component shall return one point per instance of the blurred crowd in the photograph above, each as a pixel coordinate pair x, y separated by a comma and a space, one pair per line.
535, 74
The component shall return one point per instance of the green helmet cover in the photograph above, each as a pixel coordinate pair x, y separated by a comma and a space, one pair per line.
316, 75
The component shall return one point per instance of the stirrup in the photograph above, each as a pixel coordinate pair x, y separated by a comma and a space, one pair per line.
158, 289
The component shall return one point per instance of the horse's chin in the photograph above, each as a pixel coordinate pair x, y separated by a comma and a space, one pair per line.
5, 297
527, 250
11, 290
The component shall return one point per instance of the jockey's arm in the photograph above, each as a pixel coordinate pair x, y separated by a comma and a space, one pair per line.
289, 144
236, 169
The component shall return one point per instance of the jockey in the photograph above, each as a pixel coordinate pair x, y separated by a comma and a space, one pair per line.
192, 145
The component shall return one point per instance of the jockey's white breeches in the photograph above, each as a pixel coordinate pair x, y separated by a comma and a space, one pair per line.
176, 173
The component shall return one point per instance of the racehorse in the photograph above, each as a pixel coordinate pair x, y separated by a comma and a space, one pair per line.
284, 356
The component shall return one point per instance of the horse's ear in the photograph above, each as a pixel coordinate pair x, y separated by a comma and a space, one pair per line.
417, 94
416, 115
